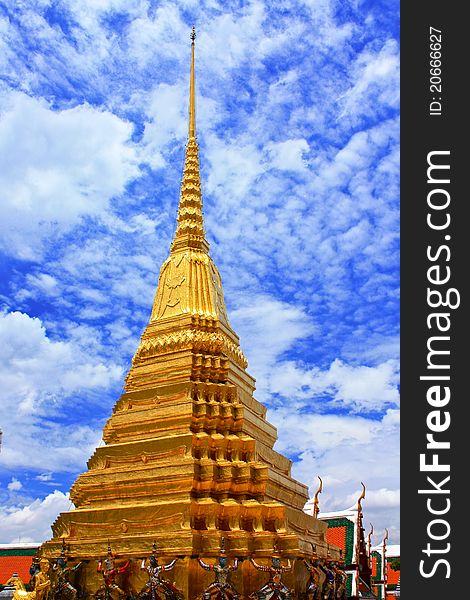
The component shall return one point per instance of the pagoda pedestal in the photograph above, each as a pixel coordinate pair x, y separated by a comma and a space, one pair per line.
181, 467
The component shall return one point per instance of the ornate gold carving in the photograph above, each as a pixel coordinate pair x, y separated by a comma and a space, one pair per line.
359, 500
316, 507
199, 341
86, 529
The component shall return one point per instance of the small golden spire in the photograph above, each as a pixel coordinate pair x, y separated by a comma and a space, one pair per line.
369, 540
359, 523
316, 508
369, 536
384, 559
361, 497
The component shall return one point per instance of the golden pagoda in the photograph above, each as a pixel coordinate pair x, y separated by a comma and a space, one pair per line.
188, 454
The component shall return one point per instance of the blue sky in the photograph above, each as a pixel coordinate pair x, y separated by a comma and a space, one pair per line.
297, 116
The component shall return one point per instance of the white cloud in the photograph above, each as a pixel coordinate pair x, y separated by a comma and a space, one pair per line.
44, 476
44, 282
86, 9
58, 166
14, 485
360, 388
39, 374
354, 156
381, 498
32, 523
345, 450
324, 247
234, 37
164, 30
166, 110
375, 77
234, 168
38, 368
267, 328
40, 285
288, 155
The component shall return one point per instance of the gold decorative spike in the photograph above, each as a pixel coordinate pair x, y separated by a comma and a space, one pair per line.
359, 500
316, 508
359, 530
386, 537
369, 537
384, 558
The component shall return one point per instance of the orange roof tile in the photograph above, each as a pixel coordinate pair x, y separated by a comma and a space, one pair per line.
15, 564
392, 576
374, 565
337, 536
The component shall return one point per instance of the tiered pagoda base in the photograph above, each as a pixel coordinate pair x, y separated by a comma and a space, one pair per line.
181, 467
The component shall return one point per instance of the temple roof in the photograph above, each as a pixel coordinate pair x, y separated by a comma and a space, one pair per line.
393, 550
348, 513
16, 558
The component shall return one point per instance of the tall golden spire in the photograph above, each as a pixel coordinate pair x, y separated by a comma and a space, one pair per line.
190, 229
189, 308
192, 96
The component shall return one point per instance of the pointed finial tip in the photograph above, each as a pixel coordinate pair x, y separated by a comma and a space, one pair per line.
193, 34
